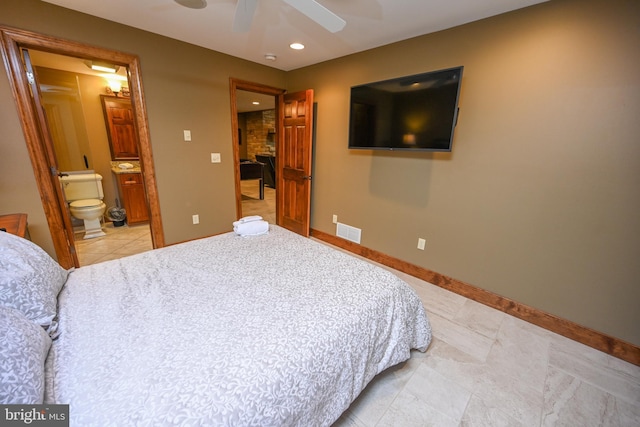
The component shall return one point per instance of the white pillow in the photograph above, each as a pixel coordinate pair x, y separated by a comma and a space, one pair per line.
24, 349
30, 279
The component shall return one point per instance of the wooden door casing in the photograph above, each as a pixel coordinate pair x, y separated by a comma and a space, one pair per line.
236, 85
11, 42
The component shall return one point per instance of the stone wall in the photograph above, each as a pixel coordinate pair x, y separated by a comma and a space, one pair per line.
260, 137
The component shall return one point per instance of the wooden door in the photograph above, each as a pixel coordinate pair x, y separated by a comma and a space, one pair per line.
121, 128
57, 211
293, 198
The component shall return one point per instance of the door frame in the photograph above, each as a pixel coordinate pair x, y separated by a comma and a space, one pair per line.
12, 40
234, 86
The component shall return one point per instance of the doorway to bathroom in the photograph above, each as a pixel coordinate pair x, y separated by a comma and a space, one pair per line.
71, 92
39, 128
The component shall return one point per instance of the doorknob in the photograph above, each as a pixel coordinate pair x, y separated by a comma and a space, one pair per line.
307, 177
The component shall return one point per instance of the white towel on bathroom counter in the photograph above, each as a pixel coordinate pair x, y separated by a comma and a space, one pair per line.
251, 226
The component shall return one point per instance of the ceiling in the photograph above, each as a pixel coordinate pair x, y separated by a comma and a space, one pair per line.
275, 25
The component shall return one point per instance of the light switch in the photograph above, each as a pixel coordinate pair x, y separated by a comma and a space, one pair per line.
215, 157
421, 243
187, 135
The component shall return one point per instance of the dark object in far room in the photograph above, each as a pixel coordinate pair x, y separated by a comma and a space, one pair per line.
269, 169
253, 170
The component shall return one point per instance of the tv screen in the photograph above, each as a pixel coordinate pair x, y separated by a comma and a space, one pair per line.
416, 113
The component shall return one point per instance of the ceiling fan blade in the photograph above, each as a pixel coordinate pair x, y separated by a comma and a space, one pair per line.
244, 15
318, 13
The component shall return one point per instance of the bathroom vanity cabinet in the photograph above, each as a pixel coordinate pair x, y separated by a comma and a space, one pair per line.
133, 197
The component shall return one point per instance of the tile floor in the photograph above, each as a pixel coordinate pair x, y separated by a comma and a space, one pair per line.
483, 368
119, 242
486, 368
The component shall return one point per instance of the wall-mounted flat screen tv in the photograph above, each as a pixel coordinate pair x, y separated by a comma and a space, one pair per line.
415, 113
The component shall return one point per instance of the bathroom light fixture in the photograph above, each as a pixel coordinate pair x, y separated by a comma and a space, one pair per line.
115, 86
296, 46
102, 66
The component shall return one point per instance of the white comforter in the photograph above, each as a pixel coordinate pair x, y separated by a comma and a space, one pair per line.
274, 330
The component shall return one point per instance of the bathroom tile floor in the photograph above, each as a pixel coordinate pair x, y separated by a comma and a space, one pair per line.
487, 368
119, 242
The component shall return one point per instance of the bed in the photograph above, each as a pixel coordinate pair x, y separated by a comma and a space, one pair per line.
271, 330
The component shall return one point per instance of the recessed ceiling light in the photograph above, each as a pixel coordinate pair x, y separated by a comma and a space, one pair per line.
255, 103
192, 4
270, 57
296, 46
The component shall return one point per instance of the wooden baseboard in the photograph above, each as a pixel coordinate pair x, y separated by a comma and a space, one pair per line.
605, 343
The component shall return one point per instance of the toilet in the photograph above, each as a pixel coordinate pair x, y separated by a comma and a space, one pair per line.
83, 191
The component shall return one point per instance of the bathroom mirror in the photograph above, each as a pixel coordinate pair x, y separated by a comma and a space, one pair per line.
62, 102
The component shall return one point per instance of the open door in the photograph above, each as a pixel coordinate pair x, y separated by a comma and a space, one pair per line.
295, 124
66, 232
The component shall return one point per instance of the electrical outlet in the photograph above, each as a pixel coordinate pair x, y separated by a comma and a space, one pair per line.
335, 219
421, 243
196, 219
215, 157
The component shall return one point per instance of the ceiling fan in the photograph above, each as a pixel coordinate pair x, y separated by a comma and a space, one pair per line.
245, 10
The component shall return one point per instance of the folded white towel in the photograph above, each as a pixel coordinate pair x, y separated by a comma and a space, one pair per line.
252, 228
247, 219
